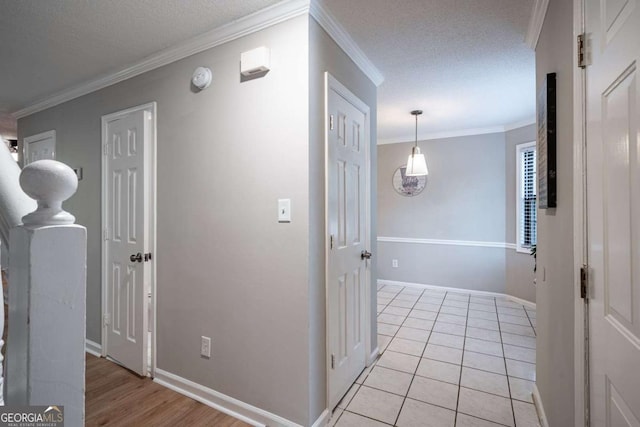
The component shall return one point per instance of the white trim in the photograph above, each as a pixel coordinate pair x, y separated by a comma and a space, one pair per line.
537, 402
323, 419
522, 123
34, 138
236, 408
373, 356
441, 135
535, 23
502, 245
452, 289
332, 84
93, 347
249, 24
458, 133
152, 109
580, 237
519, 149
342, 38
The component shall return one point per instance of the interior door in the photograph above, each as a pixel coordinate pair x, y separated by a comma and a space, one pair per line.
40, 147
346, 222
127, 274
613, 194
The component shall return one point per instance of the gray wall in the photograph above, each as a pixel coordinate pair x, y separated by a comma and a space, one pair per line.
464, 200
519, 266
325, 55
555, 295
226, 268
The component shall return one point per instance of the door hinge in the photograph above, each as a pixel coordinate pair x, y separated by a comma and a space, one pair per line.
333, 361
584, 281
331, 122
106, 319
331, 241
105, 149
582, 61
105, 234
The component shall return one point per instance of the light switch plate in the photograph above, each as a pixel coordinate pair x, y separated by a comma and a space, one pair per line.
284, 210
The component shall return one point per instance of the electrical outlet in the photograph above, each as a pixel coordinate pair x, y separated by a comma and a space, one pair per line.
205, 347
394, 263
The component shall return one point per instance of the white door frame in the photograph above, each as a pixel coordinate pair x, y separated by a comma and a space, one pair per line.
33, 138
332, 83
580, 237
150, 172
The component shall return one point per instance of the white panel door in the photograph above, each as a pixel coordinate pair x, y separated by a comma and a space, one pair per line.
39, 147
346, 216
613, 194
127, 273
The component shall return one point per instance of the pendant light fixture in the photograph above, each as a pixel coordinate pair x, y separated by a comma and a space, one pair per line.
416, 164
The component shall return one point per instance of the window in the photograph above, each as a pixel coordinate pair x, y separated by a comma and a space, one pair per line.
526, 221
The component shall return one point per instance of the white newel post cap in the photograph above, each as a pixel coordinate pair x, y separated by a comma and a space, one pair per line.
49, 183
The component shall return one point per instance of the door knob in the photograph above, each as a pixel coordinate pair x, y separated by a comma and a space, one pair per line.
136, 258
365, 255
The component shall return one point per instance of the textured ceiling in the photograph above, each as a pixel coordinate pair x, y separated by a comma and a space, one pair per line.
463, 62
47, 46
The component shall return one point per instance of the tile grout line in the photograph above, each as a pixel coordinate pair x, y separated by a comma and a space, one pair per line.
382, 353
372, 365
419, 359
464, 344
504, 359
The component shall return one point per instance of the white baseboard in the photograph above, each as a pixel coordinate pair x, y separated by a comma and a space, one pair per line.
450, 289
537, 402
227, 404
323, 419
93, 348
373, 356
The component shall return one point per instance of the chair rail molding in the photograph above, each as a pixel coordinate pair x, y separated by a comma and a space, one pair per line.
475, 243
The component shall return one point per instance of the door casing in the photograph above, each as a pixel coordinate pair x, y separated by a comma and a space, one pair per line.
332, 83
51, 135
150, 228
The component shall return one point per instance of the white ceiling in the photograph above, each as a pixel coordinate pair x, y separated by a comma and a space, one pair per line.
463, 62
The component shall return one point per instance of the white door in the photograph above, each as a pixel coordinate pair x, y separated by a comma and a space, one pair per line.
126, 189
347, 170
613, 194
39, 147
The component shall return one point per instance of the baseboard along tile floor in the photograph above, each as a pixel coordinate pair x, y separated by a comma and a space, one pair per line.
446, 359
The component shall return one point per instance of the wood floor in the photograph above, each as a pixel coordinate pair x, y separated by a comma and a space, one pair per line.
117, 397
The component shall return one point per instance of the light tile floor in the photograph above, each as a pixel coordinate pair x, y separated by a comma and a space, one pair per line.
447, 359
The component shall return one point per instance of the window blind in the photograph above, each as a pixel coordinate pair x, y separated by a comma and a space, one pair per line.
528, 211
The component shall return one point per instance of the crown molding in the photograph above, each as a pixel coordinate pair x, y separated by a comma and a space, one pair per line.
442, 135
520, 124
327, 21
535, 23
249, 24
458, 133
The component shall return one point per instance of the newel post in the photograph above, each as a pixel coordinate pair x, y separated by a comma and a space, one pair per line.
47, 288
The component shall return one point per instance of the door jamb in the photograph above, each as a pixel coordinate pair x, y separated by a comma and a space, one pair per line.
580, 226
33, 138
331, 82
151, 108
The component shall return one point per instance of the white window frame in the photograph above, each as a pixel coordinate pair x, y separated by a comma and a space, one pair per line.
520, 148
